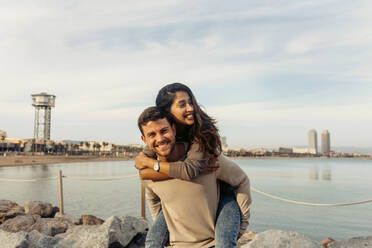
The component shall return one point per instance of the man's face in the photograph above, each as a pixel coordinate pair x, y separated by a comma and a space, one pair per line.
159, 136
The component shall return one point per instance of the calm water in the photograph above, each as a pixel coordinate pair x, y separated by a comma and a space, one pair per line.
312, 180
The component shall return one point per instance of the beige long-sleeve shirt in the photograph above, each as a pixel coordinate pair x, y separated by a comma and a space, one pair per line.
190, 207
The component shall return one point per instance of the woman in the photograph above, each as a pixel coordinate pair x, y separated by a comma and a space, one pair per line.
193, 125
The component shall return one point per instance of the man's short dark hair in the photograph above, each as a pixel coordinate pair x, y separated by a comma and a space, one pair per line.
151, 114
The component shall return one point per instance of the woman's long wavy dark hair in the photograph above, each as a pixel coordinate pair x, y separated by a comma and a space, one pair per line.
204, 129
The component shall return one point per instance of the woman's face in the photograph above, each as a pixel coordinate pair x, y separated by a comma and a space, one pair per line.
182, 108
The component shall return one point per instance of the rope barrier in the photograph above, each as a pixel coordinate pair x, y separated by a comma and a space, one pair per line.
27, 180
99, 179
308, 203
67, 177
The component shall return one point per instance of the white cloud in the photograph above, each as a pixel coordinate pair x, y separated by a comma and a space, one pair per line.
303, 44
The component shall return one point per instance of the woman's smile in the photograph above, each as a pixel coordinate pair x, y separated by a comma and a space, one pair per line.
182, 109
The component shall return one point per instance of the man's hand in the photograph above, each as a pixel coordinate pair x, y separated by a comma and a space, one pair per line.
211, 166
142, 161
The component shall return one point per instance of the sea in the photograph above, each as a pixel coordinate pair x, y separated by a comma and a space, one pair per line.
113, 188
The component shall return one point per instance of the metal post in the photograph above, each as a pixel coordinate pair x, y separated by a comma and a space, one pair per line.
143, 207
60, 192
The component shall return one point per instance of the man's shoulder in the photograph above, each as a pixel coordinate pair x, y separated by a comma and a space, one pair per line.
225, 161
150, 183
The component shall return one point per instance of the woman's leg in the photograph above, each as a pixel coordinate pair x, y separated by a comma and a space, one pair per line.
158, 234
227, 220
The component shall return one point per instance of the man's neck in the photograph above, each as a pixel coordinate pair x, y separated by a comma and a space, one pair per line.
182, 131
177, 153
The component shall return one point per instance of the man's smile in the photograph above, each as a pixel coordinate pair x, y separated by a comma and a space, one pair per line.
163, 145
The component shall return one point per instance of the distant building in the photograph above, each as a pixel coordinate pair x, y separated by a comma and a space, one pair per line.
284, 150
2, 134
224, 143
326, 142
139, 146
312, 142
300, 150
260, 152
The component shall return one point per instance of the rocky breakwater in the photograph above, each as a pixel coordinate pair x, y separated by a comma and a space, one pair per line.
289, 239
38, 224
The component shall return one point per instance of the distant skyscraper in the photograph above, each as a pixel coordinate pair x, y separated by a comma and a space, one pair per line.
224, 142
313, 142
326, 142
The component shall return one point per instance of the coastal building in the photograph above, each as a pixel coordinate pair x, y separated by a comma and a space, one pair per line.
326, 142
11, 144
300, 150
2, 134
260, 152
312, 142
285, 150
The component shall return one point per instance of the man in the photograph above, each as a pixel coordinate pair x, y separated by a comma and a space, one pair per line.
189, 207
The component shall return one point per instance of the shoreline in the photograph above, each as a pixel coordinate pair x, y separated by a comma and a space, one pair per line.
279, 157
27, 160
21, 160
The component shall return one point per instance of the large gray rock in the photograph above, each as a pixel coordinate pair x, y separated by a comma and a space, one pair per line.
89, 219
352, 243
44, 209
118, 230
33, 239
13, 240
9, 209
246, 238
19, 223
50, 226
114, 232
280, 239
71, 219
39, 240
85, 236
124, 228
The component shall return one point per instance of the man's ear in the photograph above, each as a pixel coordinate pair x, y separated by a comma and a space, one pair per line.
143, 138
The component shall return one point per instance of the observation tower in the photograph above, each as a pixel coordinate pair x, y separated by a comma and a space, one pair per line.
43, 104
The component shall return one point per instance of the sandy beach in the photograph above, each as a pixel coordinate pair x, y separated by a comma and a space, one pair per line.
52, 159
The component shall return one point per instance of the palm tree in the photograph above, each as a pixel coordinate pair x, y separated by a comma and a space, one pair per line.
88, 145
104, 144
77, 148
2, 138
113, 149
33, 146
99, 148
19, 145
95, 145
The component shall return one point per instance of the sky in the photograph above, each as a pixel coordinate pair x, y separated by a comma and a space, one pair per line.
267, 70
